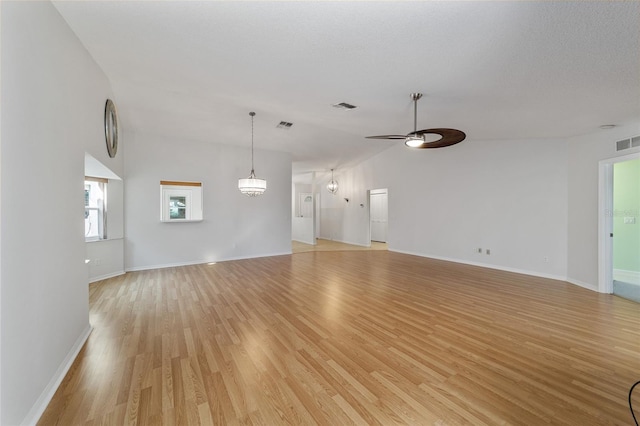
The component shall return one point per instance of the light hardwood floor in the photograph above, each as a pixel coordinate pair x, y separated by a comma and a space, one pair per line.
350, 337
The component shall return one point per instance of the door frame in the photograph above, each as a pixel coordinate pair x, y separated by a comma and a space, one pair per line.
369, 213
605, 220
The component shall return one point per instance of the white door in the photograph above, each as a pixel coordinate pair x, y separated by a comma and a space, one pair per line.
306, 204
378, 203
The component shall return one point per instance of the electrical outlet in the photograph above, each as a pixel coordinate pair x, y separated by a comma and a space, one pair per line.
545, 259
488, 251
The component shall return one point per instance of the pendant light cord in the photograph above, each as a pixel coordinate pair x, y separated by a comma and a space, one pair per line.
415, 115
252, 114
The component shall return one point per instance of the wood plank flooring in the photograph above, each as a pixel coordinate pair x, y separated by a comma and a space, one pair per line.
350, 337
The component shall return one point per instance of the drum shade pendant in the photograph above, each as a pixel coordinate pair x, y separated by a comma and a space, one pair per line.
252, 186
332, 186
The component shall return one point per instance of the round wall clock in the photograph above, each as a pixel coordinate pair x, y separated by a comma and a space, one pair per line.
111, 127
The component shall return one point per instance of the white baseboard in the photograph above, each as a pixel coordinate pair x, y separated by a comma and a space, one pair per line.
592, 287
45, 397
355, 244
199, 262
349, 242
284, 253
164, 265
490, 266
632, 277
105, 276
304, 242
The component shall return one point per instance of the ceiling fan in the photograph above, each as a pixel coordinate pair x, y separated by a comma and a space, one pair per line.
427, 138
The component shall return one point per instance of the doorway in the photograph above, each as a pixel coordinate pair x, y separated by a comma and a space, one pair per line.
626, 232
619, 242
379, 214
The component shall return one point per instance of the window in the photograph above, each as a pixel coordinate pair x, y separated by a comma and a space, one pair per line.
177, 207
95, 208
180, 201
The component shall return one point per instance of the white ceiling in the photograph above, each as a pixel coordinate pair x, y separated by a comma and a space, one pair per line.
496, 70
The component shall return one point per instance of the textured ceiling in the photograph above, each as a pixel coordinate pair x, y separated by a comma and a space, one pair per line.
496, 70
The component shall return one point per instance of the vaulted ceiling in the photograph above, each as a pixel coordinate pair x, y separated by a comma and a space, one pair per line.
496, 70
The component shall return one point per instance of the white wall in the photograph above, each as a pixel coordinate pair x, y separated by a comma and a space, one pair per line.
302, 230
342, 221
507, 196
332, 216
106, 259
585, 152
234, 226
53, 98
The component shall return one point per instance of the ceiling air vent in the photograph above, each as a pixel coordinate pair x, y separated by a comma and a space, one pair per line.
628, 143
284, 125
344, 105
623, 144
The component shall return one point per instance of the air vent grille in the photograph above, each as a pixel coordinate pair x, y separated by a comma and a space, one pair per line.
623, 144
344, 105
633, 142
284, 125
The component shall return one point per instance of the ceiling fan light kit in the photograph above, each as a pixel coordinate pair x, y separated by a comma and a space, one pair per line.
252, 186
426, 138
414, 141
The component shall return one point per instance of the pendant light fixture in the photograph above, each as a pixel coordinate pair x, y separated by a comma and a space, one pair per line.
332, 186
252, 186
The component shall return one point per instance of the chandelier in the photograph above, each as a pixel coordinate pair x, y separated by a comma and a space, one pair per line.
252, 186
332, 186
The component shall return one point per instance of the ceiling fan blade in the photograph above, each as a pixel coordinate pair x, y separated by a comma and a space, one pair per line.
424, 138
449, 137
387, 137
